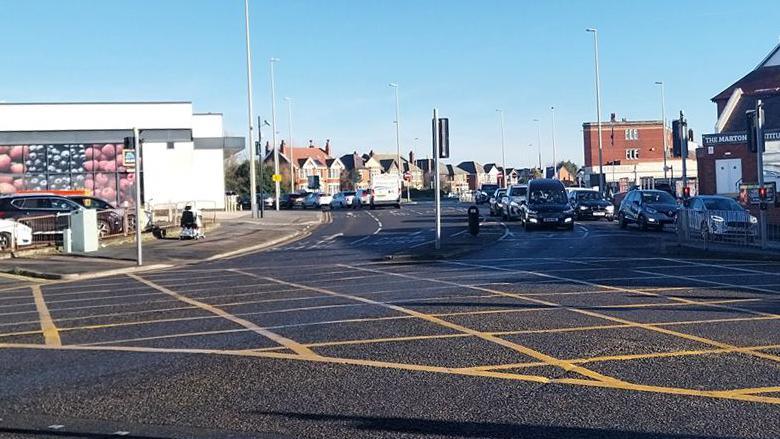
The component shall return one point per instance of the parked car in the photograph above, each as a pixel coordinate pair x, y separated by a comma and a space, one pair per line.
716, 217
484, 192
317, 200
362, 198
385, 191
109, 218
290, 201
591, 204
495, 201
14, 234
21, 205
344, 199
547, 205
513, 202
647, 208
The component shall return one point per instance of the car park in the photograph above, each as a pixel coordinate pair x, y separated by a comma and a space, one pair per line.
591, 204
717, 217
547, 205
495, 202
647, 209
14, 234
483, 194
344, 199
513, 202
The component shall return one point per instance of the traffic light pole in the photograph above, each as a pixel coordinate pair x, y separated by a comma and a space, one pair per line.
684, 150
262, 164
760, 165
437, 178
137, 175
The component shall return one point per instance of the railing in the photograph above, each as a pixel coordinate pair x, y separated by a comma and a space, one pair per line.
46, 229
725, 228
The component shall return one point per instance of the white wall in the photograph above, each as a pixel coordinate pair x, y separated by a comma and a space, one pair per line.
42, 117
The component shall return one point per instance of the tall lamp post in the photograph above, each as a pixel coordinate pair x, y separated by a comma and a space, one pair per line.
273, 61
290, 142
663, 122
555, 165
503, 153
539, 140
250, 143
398, 134
595, 33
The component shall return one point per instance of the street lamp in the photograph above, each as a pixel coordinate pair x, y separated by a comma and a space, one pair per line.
290, 142
539, 140
663, 122
595, 33
250, 144
398, 132
555, 166
273, 61
503, 155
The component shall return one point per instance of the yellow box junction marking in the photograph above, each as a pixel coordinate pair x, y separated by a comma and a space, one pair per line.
50, 334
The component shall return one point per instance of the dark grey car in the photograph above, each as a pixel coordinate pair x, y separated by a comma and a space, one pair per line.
648, 209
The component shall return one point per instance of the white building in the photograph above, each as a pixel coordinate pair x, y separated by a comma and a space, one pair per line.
78, 147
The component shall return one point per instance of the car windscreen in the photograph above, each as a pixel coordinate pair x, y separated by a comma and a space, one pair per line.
518, 191
589, 195
548, 196
721, 204
489, 188
349, 194
657, 198
500, 192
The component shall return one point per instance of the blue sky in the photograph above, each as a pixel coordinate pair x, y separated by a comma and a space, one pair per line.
337, 57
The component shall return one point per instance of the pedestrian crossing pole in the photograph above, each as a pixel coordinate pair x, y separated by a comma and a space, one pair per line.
437, 183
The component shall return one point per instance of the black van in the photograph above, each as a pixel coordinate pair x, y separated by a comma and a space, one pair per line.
547, 205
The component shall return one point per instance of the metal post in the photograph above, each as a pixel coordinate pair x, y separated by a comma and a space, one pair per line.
277, 186
252, 170
137, 175
555, 165
760, 166
262, 162
398, 138
539, 140
685, 156
663, 123
598, 106
437, 183
503, 155
290, 143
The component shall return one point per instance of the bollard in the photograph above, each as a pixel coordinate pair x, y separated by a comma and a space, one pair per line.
473, 220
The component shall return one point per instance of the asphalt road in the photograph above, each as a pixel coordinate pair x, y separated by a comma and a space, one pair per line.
594, 333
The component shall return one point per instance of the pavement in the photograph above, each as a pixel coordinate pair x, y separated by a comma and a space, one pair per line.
594, 333
233, 233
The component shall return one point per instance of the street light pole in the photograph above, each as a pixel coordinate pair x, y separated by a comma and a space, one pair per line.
539, 140
598, 104
503, 154
273, 61
398, 135
290, 142
663, 122
250, 144
555, 166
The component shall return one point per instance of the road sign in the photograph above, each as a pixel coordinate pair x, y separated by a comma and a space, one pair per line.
128, 158
408, 176
276, 178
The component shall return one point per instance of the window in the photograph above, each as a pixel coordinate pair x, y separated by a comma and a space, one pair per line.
632, 134
62, 204
632, 154
334, 173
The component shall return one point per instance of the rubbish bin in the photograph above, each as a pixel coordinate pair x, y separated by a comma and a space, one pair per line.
473, 220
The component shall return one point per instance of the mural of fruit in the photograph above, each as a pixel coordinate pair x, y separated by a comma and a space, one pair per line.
7, 188
17, 168
5, 162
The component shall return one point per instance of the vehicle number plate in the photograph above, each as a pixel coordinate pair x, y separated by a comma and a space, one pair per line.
551, 220
598, 213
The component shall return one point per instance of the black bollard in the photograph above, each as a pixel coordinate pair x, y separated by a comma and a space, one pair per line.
474, 220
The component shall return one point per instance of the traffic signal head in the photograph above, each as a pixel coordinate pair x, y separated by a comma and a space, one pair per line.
750, 117
686, 192
129, 143
676, 139
762, 193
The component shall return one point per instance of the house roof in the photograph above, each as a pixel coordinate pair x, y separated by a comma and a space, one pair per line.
303, 153
453, 170
352, 161
764, 78
471, 167
387, 160
487, 167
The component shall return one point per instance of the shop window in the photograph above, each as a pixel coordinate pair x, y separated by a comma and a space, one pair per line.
632, 154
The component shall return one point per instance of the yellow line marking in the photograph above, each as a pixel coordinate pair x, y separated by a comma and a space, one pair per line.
770, 389
286, 342
435, 320
50, 333
730, 394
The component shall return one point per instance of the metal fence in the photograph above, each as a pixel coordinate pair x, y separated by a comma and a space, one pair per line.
725, 228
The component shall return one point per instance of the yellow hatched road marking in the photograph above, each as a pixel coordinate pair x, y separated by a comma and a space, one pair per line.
50, 333
286, 342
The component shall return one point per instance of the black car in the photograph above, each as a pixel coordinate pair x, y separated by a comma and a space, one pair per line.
23, 205
648, 209
109, 218
295, 199
484, 193
547, 205
591, 204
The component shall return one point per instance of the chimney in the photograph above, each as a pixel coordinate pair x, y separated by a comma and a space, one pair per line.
311, 143
327, 147
411, 157
282, 147
613, 117
267, 147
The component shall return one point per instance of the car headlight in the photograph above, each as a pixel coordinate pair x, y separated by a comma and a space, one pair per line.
513, 204
716, 218
532, 212
753, 220
650, 210
583, 208
610, 208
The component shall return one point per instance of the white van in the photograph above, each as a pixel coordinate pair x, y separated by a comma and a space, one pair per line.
386, 191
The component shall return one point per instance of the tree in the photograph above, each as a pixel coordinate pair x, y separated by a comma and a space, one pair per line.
570, 166
536, 173
237, 178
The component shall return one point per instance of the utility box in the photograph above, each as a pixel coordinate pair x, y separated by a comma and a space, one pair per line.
84, 230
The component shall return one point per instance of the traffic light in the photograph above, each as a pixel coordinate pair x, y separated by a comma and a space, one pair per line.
687, 192
444, 138
762, 196
677, 138
129, 142
752, 140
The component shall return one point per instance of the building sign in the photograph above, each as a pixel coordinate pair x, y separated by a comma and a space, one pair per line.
128, 158
748, 193
736, 138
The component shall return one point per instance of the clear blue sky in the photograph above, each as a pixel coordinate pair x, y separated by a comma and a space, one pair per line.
337, 57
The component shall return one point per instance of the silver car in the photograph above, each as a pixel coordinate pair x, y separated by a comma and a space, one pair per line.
716, 217
514, 202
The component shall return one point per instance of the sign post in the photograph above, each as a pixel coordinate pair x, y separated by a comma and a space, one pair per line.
759, 136
138, 210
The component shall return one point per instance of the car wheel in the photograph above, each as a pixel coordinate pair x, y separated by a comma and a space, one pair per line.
642, 221
622, 220
103, 229
372, 206
5, 241
527, 225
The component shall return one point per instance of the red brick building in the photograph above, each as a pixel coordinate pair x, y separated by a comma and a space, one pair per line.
631, 150
724, 160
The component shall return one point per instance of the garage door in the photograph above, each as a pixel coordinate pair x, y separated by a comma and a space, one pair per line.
728, 173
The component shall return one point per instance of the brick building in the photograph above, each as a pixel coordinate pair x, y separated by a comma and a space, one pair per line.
631, 150
725, 163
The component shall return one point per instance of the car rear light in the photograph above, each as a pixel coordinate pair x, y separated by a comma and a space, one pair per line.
2, 214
